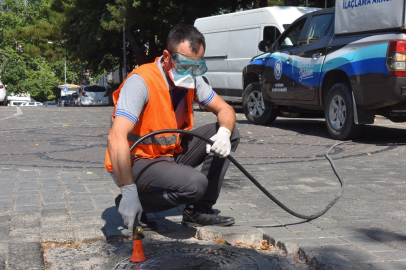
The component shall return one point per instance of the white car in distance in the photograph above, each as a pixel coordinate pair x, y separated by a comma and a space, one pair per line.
3, 94
32, 103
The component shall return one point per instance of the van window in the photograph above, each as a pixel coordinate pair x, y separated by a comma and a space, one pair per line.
317, 29
271, 33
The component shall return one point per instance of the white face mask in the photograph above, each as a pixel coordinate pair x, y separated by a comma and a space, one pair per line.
185, 81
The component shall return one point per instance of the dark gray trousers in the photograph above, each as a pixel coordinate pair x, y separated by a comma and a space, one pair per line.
166, 182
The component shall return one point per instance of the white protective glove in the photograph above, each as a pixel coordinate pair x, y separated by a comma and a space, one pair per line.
130, 205
222, 144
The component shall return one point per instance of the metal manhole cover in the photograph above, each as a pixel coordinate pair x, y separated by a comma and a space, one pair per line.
191, 258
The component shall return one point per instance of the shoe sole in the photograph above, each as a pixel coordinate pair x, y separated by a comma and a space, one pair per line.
195, 225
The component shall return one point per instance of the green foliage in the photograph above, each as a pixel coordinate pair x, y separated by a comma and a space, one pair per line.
32, 48
37, 35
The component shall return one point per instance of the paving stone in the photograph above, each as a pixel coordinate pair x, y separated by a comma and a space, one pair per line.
80, 207
393, 255
8, 174
26, 219
26, 259
2, 260
54, 206
330, 233
86, 233
27, 200
383, 265
59, 234
28, 174
85, 214
366, 243
6, 206
233, 234
353, 254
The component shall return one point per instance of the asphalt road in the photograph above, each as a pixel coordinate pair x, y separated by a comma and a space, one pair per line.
364, 230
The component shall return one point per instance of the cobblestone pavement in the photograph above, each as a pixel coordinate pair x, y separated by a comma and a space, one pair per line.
54, 190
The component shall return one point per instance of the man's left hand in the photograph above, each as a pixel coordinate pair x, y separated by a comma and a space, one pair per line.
221, 145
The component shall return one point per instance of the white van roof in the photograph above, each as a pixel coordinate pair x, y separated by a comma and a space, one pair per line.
254, 17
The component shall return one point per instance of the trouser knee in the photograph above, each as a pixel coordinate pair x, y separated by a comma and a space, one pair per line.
196, 188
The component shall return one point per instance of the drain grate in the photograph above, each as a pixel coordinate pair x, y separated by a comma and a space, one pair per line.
192, 258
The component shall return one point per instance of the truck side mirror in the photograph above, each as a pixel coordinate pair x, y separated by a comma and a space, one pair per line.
264, 45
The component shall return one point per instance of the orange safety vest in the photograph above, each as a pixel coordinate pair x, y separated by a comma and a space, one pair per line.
158, 114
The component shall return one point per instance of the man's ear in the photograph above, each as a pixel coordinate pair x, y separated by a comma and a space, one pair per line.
166, 56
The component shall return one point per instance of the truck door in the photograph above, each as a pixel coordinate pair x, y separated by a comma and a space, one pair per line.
309, 56
278, 75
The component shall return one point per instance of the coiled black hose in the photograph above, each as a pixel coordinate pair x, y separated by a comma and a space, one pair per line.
253, 180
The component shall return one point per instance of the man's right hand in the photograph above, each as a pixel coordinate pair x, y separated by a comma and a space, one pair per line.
130, 206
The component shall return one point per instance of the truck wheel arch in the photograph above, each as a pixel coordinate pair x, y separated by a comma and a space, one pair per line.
250, 78
331, 78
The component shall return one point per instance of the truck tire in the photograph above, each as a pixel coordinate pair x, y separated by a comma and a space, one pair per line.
255, 107
339, 112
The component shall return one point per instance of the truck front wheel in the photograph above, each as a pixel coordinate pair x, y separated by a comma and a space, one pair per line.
255, 107
339, 112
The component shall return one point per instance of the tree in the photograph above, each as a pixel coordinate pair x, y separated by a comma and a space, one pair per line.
95, 28
32, 48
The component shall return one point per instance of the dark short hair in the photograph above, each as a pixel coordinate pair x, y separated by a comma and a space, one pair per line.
182, 32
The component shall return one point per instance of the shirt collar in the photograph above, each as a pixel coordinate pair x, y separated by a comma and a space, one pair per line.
163, 73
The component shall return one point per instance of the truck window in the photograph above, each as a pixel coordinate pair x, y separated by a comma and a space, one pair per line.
292, 36
271, 33
317, 29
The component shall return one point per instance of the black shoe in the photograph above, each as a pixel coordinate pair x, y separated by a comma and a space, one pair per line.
205, 218
146, 225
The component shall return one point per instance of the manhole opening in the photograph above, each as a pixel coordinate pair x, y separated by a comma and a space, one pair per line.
192, 258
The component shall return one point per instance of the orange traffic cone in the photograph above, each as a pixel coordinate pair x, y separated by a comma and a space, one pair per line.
138, 251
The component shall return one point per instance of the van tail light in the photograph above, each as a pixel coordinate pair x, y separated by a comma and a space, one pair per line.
1, 86
106, 95
396, 58
84, 94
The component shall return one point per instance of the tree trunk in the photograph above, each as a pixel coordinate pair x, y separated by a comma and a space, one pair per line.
153, 50
139, 54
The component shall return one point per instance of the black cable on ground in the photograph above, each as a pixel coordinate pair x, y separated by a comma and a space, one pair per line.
253, 180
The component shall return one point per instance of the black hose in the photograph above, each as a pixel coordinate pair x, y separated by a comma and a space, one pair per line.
238, 165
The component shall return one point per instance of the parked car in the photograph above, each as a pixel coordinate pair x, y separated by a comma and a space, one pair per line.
73, 101
91, 95
17, 102
3, 94
50, 104
32, 103
61, 101
67, 100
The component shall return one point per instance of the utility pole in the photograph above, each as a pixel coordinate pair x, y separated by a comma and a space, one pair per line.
65, 67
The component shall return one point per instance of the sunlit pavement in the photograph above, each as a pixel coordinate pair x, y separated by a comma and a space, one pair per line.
55, 190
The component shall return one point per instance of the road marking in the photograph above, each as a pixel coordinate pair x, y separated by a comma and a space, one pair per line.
19, 111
